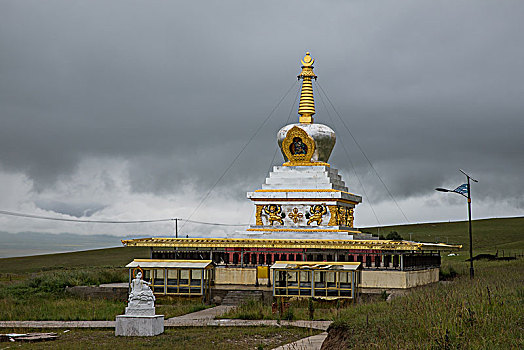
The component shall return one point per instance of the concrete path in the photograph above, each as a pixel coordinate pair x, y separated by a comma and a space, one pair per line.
57, 324
310, 343
206, 314
320, 325
202, 318
172, 322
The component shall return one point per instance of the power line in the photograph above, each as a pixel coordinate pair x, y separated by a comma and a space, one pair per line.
363, 153
351, 163
277, 147
41, 217
287, 122
238, 155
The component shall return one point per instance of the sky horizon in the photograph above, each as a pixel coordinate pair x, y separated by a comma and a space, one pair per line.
118, 110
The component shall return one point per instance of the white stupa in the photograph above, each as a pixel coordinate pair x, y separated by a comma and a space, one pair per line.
305, 198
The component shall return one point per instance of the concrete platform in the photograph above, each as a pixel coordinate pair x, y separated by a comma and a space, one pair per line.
139, 326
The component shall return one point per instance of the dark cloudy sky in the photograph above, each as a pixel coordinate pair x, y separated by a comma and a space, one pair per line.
133, 109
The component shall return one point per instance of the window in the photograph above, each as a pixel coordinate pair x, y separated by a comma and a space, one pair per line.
306, 282
157, 284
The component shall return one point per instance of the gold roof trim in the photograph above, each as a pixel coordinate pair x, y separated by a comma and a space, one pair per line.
313, 263
291, 229
169, 242
306, 190
173, 260
341, 200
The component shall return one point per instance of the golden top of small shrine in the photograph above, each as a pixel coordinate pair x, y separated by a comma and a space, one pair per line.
306, 106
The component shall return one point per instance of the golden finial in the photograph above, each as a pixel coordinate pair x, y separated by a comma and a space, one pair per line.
308, 60
306, 107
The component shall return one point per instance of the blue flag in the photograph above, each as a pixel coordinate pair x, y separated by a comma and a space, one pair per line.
462, 189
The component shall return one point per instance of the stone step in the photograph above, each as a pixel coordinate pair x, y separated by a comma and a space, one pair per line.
322, 179
237, 297
301, 186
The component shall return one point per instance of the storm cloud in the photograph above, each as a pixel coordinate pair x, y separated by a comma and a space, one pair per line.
134, 109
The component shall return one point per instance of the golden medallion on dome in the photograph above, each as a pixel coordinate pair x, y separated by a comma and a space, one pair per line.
298, 147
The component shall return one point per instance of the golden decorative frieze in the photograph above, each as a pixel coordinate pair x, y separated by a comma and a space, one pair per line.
293, 229
333, 212
258, 215
306, 164
351, 218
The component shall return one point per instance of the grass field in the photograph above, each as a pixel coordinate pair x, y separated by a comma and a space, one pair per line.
489, 235
32, 288
223, 338
111, 257
296, 310
461, 314
484, 313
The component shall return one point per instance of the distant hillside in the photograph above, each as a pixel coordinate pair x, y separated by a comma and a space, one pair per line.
488, 234
33, 243
110, 257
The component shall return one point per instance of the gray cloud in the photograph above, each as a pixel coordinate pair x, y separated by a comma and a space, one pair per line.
175, 90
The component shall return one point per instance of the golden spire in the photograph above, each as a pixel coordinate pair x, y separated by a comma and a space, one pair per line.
306, 107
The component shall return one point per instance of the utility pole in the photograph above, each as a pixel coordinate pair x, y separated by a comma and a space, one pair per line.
175, 220
463, 191
471, 270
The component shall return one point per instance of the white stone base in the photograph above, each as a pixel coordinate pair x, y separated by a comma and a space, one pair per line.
139, 326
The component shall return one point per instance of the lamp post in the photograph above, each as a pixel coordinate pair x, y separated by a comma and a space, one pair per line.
465, 191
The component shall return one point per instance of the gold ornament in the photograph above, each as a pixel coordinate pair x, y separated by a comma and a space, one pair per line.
350, 218
274, 213
258, 215
295, 215
342, 216
306, 106
298, 147
316, 213
333, 212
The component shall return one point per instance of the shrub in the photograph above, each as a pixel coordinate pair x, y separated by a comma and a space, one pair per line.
288, 314
394, 236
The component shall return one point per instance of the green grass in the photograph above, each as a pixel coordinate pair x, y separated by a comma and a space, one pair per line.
111, 257
298, 310
483, 313
488, 235
216, 338
41, 296
31, 287
63, 308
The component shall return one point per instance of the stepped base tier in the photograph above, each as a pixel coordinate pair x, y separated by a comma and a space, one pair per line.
303, 202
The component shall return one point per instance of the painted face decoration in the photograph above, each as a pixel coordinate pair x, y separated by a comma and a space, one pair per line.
298, 147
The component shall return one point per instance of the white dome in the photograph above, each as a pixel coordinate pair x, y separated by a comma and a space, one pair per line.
323, 135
